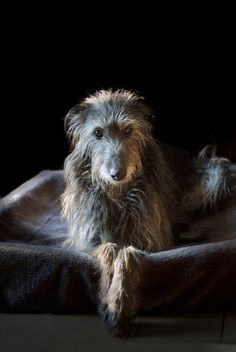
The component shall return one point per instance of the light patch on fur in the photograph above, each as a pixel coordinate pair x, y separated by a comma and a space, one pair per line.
121, 294
105, 254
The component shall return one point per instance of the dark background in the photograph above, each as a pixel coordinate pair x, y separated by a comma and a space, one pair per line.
188, 78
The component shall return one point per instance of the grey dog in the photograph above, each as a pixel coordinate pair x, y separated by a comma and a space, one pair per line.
126, 194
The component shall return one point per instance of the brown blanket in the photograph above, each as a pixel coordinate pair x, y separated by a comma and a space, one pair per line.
36, 275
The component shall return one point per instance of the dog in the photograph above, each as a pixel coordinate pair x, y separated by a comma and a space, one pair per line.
127, 195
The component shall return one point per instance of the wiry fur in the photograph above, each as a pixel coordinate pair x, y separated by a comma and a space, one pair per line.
118, 221
212, 182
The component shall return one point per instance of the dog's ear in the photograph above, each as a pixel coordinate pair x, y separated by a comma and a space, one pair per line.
74, 122
140, 108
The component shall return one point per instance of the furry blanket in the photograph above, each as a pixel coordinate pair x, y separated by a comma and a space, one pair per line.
36, 275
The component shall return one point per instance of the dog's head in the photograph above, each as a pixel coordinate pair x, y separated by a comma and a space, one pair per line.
111, 128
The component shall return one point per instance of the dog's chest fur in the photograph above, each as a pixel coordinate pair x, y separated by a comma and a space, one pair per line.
123, 217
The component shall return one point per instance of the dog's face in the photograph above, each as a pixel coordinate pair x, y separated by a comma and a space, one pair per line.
111, 128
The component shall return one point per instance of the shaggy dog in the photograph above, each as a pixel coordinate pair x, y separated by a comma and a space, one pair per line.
127, 195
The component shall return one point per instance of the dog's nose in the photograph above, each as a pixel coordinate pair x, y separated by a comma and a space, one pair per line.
117, 174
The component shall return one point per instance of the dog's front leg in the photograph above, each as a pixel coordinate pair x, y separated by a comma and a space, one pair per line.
121, 303
105, 255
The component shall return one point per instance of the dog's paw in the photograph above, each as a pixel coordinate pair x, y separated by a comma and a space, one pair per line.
117, 324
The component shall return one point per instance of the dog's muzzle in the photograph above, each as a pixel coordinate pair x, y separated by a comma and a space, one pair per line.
117, 173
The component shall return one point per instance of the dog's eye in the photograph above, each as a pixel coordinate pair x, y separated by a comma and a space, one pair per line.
98, 132
128, 130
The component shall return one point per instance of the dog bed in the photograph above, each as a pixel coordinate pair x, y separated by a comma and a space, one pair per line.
36, 275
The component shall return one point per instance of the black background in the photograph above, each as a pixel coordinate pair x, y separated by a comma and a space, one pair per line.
185, 72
